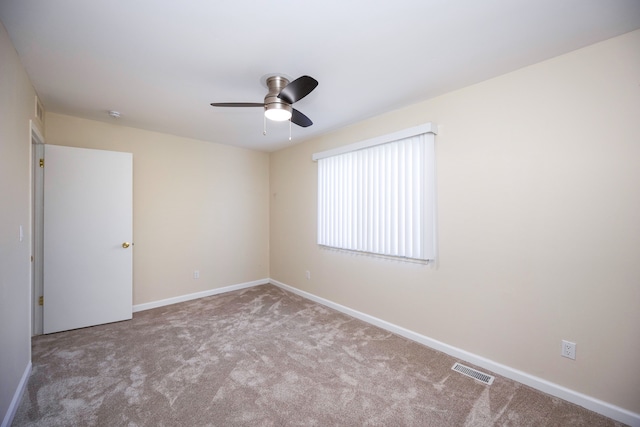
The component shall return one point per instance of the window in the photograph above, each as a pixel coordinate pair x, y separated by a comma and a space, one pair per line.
378, 196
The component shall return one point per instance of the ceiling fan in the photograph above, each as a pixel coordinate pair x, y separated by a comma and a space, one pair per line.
277, 103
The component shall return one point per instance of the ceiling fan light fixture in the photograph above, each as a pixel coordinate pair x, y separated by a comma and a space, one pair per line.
277, 111
277, 103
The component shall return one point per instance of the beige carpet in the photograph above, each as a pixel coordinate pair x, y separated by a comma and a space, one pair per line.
265, 357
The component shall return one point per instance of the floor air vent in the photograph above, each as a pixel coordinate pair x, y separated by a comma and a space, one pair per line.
473, 373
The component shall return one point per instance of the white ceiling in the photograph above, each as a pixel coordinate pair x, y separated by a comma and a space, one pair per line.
160, 63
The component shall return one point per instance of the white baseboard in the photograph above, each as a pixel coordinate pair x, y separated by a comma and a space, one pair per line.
188, 297
17, 396
593, 404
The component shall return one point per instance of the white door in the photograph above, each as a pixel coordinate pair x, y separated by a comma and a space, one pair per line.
87, 265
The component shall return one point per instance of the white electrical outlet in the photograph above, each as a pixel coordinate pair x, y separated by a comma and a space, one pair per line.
568, 349
196, 274
307, 274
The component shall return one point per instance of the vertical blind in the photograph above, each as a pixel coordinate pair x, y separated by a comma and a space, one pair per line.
380, 199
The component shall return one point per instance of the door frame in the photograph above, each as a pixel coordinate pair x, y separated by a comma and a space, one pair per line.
37, 223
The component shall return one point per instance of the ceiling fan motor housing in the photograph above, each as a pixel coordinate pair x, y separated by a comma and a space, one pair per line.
271, 101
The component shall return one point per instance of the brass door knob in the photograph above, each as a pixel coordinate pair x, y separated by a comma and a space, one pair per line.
126, 245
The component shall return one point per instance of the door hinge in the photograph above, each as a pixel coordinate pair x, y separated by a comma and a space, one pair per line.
41, 163
41, 300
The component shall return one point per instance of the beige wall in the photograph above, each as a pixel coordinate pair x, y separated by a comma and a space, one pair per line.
17, 106
196, 205
538, 220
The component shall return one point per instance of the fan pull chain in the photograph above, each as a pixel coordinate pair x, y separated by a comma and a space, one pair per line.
264, 126
289, 129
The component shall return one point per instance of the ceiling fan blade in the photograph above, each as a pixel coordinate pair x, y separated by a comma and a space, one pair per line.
300, 119
298, 89
237, 104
